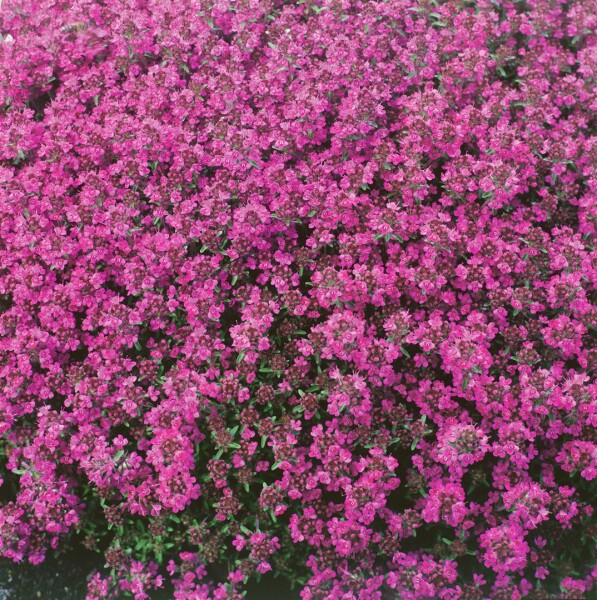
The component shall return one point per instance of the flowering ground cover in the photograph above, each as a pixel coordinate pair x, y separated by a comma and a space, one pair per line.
300, 287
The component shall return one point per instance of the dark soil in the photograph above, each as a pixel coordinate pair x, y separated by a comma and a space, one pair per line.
65, 578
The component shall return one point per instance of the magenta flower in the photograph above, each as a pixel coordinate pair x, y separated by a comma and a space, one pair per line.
300, 288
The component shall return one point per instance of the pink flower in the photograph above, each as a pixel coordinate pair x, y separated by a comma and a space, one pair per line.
505, 548
305, 287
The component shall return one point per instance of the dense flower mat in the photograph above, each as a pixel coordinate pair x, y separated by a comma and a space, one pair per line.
300, 286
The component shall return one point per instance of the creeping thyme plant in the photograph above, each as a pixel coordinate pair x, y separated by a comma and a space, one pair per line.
301, 287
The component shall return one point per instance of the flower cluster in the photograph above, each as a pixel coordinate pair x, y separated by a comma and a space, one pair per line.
302, 287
